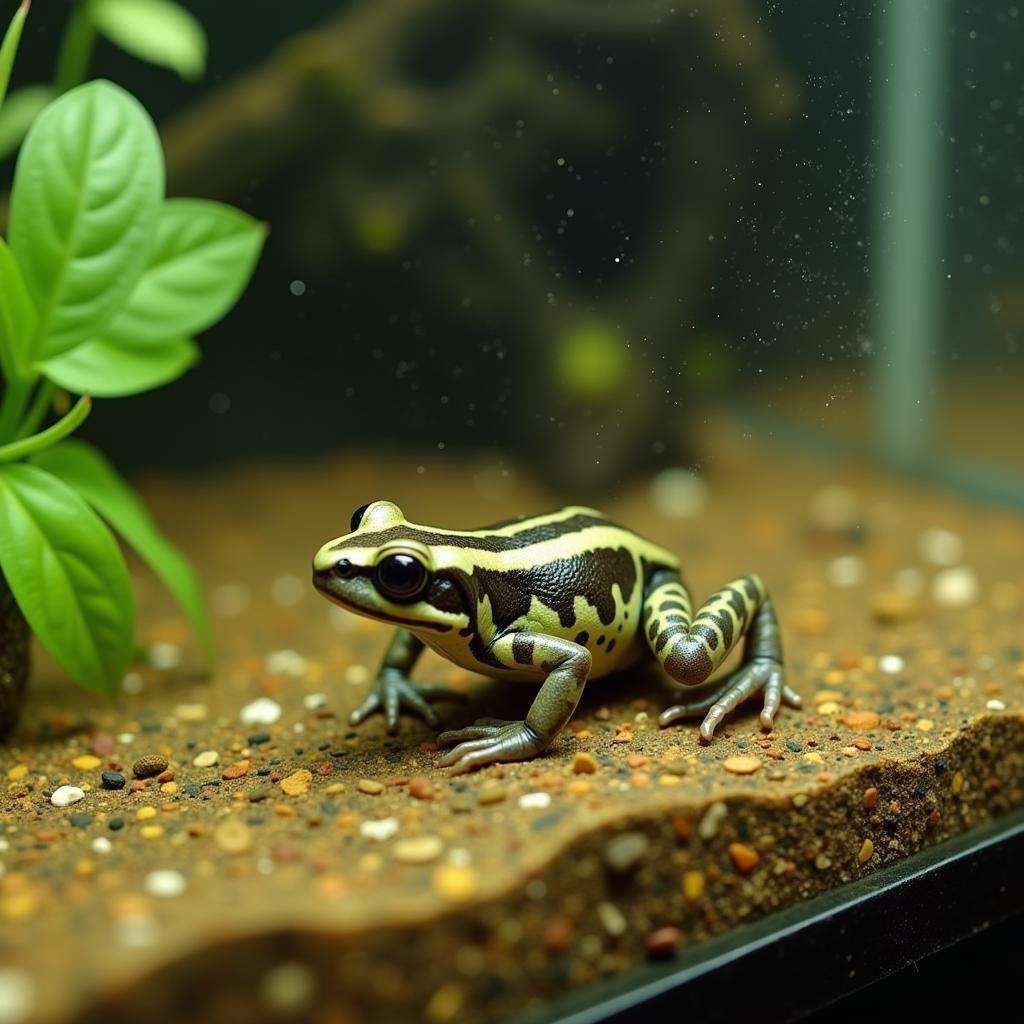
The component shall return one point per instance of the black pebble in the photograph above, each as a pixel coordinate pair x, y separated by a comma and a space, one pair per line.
116, 824
80, 820
258, 737
112, 780
794, 746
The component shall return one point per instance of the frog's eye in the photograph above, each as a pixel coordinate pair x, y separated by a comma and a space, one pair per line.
357, 518
401, 577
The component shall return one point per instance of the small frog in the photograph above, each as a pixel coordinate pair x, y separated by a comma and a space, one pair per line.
562, 598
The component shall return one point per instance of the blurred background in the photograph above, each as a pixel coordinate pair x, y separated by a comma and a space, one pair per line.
562, 233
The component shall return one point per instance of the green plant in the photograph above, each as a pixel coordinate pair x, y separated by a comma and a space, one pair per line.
160, 32
103, 283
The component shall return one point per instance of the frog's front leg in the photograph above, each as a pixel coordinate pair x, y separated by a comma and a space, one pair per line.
567, 666
691, 646
393, 690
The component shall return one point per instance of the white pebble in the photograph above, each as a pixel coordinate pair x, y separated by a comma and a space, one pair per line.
165, 883
891, 664
206, 759
845, 571
101, 844
164, 656
17, 995
612, 918
132, 683
356, 675
940, 547
955, 588
712, 820
314, 701
262, 711
230, 599
287, 591
285, 662
534, 800
4, 846
678, 493
127, 738
995, 705
459, 855
66, 795
381, 829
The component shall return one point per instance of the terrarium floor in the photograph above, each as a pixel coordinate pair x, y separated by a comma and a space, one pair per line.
533, 877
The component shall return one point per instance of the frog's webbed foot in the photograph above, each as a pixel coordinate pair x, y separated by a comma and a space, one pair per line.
393, 692
757, 674
488, 741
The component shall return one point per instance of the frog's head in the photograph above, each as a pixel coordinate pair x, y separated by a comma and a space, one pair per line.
384, 569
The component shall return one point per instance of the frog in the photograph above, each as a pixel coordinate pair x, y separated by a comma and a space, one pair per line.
555, 599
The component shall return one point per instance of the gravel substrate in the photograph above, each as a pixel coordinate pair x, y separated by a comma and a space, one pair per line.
233, 850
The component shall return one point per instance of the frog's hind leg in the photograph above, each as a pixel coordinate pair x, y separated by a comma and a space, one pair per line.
691, 647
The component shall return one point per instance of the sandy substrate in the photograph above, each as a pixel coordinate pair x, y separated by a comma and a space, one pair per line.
332, 874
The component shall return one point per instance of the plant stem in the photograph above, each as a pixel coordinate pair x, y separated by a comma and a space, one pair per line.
75, 49
13, 406
51, 435
37, 410
10, 46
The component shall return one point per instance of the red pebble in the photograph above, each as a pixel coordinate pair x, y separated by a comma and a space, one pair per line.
663, 943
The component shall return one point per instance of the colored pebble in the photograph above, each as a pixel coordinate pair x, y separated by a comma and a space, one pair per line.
866, 850
584, 763
741, 764
190, 712
64, 795
664, 942
418, 849
165, 883
86, 763
693, 885
870, 798
262, 711
744, 857
297, 783
455, 883
17, 773
149, 765
491, 794
145, 813
421, 788
862, 720
112, 780
233, 836
890, 607
624, 852
370, 786
237, 771
206, 759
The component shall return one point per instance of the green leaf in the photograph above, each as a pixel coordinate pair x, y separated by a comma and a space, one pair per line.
104, 369
17, 317
82, 467
67, 575
23, 106
157, 31
203, 258
84, 208
9, 47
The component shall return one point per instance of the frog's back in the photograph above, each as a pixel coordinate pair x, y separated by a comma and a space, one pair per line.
572, 573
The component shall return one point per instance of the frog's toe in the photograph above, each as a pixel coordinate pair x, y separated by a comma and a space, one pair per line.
367, 708
791, 697
482, 728
488, 744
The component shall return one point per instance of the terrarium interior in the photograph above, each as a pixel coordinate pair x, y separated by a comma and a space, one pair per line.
745, 277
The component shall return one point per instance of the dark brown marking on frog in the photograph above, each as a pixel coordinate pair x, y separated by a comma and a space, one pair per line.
522, 649
672, 606
600, 640
611, 644
706, 633
582, 638
557, 583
